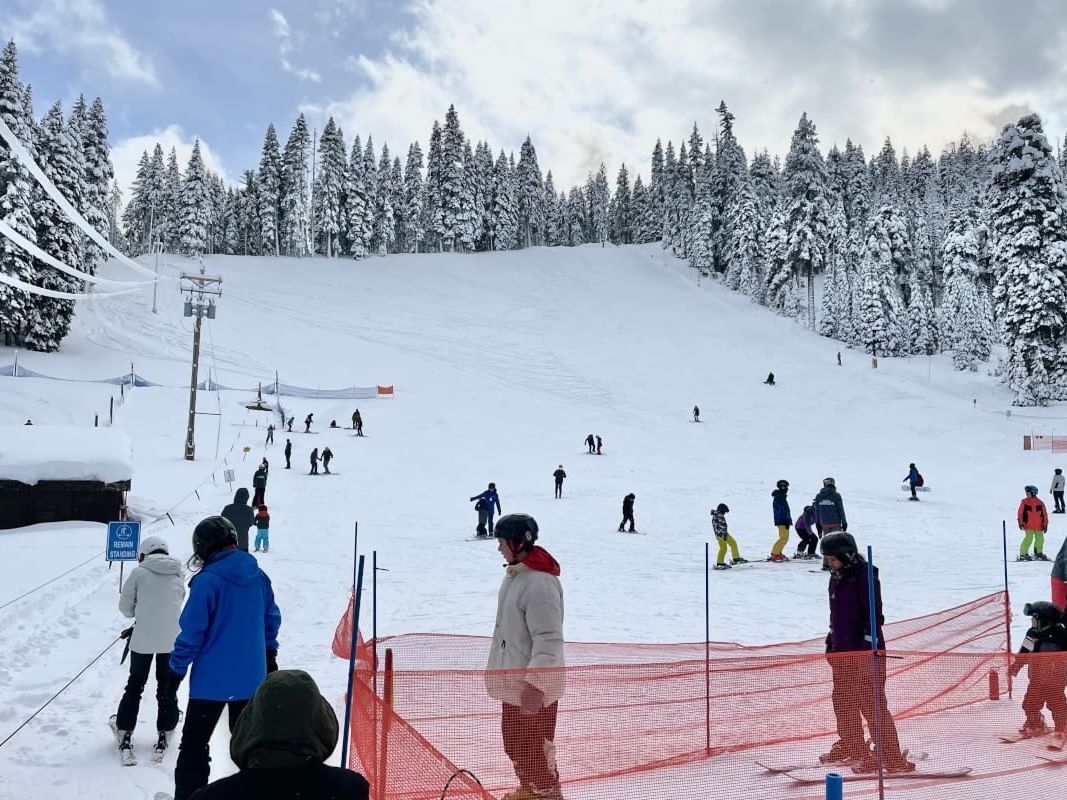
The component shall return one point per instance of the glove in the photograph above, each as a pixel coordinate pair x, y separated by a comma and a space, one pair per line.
126, 633
272, 661
531, 701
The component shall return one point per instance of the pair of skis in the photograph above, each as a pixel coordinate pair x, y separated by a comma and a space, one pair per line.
810, 773
127, 757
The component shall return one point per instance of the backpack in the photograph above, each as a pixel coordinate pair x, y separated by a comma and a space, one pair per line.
919, 480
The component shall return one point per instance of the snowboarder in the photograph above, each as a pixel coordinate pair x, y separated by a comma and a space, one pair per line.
241, 516
914, 480
281, 742
259, 487
229, 634
482, 508
807, 524
859, 679
783, 518
599, 445
327, 457
524, 669
770, 379
628, 511
289, 424
558, 476
288, 453
270, 434
492, 503
696, 413
152, 595
1057, 490
314, 462
590, 444
1033, 521
262, 530
357, 422
307, 423
719, 528
1048, 678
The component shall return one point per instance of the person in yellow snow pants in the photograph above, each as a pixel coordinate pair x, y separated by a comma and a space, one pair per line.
718, 526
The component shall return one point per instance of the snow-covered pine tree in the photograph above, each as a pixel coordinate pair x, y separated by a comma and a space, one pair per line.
294, 191
413, 198
807, 211
135, 217
230, 224
639, 200
470, 226
657, 189
727, 179
357, 207
779, 290
452, 181
836, 318
384, 233
432, 209
550, 207
248, 224
702, 225
505, 213
114, 212
857, 190
746, 246
483, 199
619, 219
966, 318
886, 180
172, 201
923, 334
1028, 221
575, 211
98, 172
766, 182
530, 193
157, 196
196, 205
879, 314
599, 203
330, 185
16, 201
270, 198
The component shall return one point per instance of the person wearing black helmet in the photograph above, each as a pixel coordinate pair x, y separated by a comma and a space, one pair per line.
722, 533
526, 656
229, 636
783, 518
858, 673
830, 508
492, 504
1033, 521
1048, 678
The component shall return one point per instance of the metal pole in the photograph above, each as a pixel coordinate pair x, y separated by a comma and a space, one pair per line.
121, 565
1007, 598
190, 438
707, 648
357, 579
374, 617
155, 283
835, 786
876, 687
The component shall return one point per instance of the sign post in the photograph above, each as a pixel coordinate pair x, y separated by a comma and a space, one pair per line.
123, 538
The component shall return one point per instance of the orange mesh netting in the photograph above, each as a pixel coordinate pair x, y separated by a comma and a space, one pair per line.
660, 721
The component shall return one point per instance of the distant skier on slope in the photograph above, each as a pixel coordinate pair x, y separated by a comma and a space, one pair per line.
1057, 490
288, 453
696, 413
1048, 676
558, 476
492, 503
599, 446
628, 511
270, 434
327, 457
1032, 517
914, 480
770, 379
357, 422
783, 518
722, 533
307, 423
289, 424
314, 462
590, 444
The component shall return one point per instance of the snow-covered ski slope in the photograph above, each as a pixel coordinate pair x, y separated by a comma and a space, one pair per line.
502, 364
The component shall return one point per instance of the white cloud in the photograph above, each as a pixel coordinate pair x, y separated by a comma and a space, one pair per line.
284, 36
82, 26
127, 153
600, 81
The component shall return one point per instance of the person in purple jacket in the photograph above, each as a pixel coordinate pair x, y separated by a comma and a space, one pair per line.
806, 526
858, 668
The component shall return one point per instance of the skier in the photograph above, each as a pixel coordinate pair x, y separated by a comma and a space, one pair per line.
829, 511
289, 424
152, 595
314, 462
559, 475
524, 669
807, 524
270, 434
1057, 490
482, 508
259, 486
590, 444
492, 502
1047, 675
229, 634
281, 743
859, 679
240, 516
783, 518
718, 526
262, 530
327, 457
839, 358
599, 445
357, 422
288, 453
307, 423
628, 511
914, 479
1033, 521
696, 413
770, 379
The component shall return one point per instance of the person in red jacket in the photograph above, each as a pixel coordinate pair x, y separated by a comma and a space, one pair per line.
1033, 521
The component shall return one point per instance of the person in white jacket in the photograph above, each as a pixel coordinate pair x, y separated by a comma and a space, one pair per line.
525, 667
1057, 491
153, 596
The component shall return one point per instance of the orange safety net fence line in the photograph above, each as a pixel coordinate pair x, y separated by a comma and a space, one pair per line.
629, 709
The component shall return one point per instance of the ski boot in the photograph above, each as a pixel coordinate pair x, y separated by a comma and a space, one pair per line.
892, 766
778, 557
1034, 728
739, 560
721, 565
838, 754
1040, 557
1025, 557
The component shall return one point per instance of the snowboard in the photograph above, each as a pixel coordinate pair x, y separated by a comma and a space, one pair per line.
818, 775
639, 533
905, 488
803, 765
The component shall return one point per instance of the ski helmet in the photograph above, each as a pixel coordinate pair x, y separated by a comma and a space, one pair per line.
1044, 610
782, 484
492, 486
839, 544
211, 535
519, 529
150, 545
829, 482
722, 508
1031, 490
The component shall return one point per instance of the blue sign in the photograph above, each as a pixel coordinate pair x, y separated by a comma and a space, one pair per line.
122, 541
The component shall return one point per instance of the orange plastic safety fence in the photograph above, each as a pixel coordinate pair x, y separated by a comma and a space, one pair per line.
660, 721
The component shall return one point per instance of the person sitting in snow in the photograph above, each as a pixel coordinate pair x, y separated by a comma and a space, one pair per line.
770, 379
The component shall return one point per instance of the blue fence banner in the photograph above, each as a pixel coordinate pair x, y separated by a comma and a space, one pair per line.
123, 537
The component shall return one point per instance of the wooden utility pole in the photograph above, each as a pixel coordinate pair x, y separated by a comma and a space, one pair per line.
198, 304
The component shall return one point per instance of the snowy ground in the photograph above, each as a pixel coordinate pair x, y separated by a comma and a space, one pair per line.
502, 363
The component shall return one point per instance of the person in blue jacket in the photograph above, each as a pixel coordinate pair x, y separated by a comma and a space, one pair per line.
492, 501
913, 479
229, 635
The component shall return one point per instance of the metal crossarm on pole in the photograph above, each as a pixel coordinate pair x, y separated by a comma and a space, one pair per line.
201, 290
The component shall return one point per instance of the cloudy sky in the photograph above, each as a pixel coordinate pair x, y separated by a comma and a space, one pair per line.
590, 81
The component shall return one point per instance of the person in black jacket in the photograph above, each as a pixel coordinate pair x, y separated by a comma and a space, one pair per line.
628, 511
314, 462
590, 444
559, 475
1048, 679
240, 514
259, 486
307, 423
288, 453
327, 457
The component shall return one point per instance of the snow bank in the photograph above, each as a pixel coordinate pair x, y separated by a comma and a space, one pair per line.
33, 453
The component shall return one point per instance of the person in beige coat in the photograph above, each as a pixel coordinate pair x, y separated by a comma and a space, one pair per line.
525, 667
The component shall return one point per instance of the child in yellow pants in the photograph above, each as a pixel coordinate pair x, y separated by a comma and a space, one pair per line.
782, 520
718, 526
